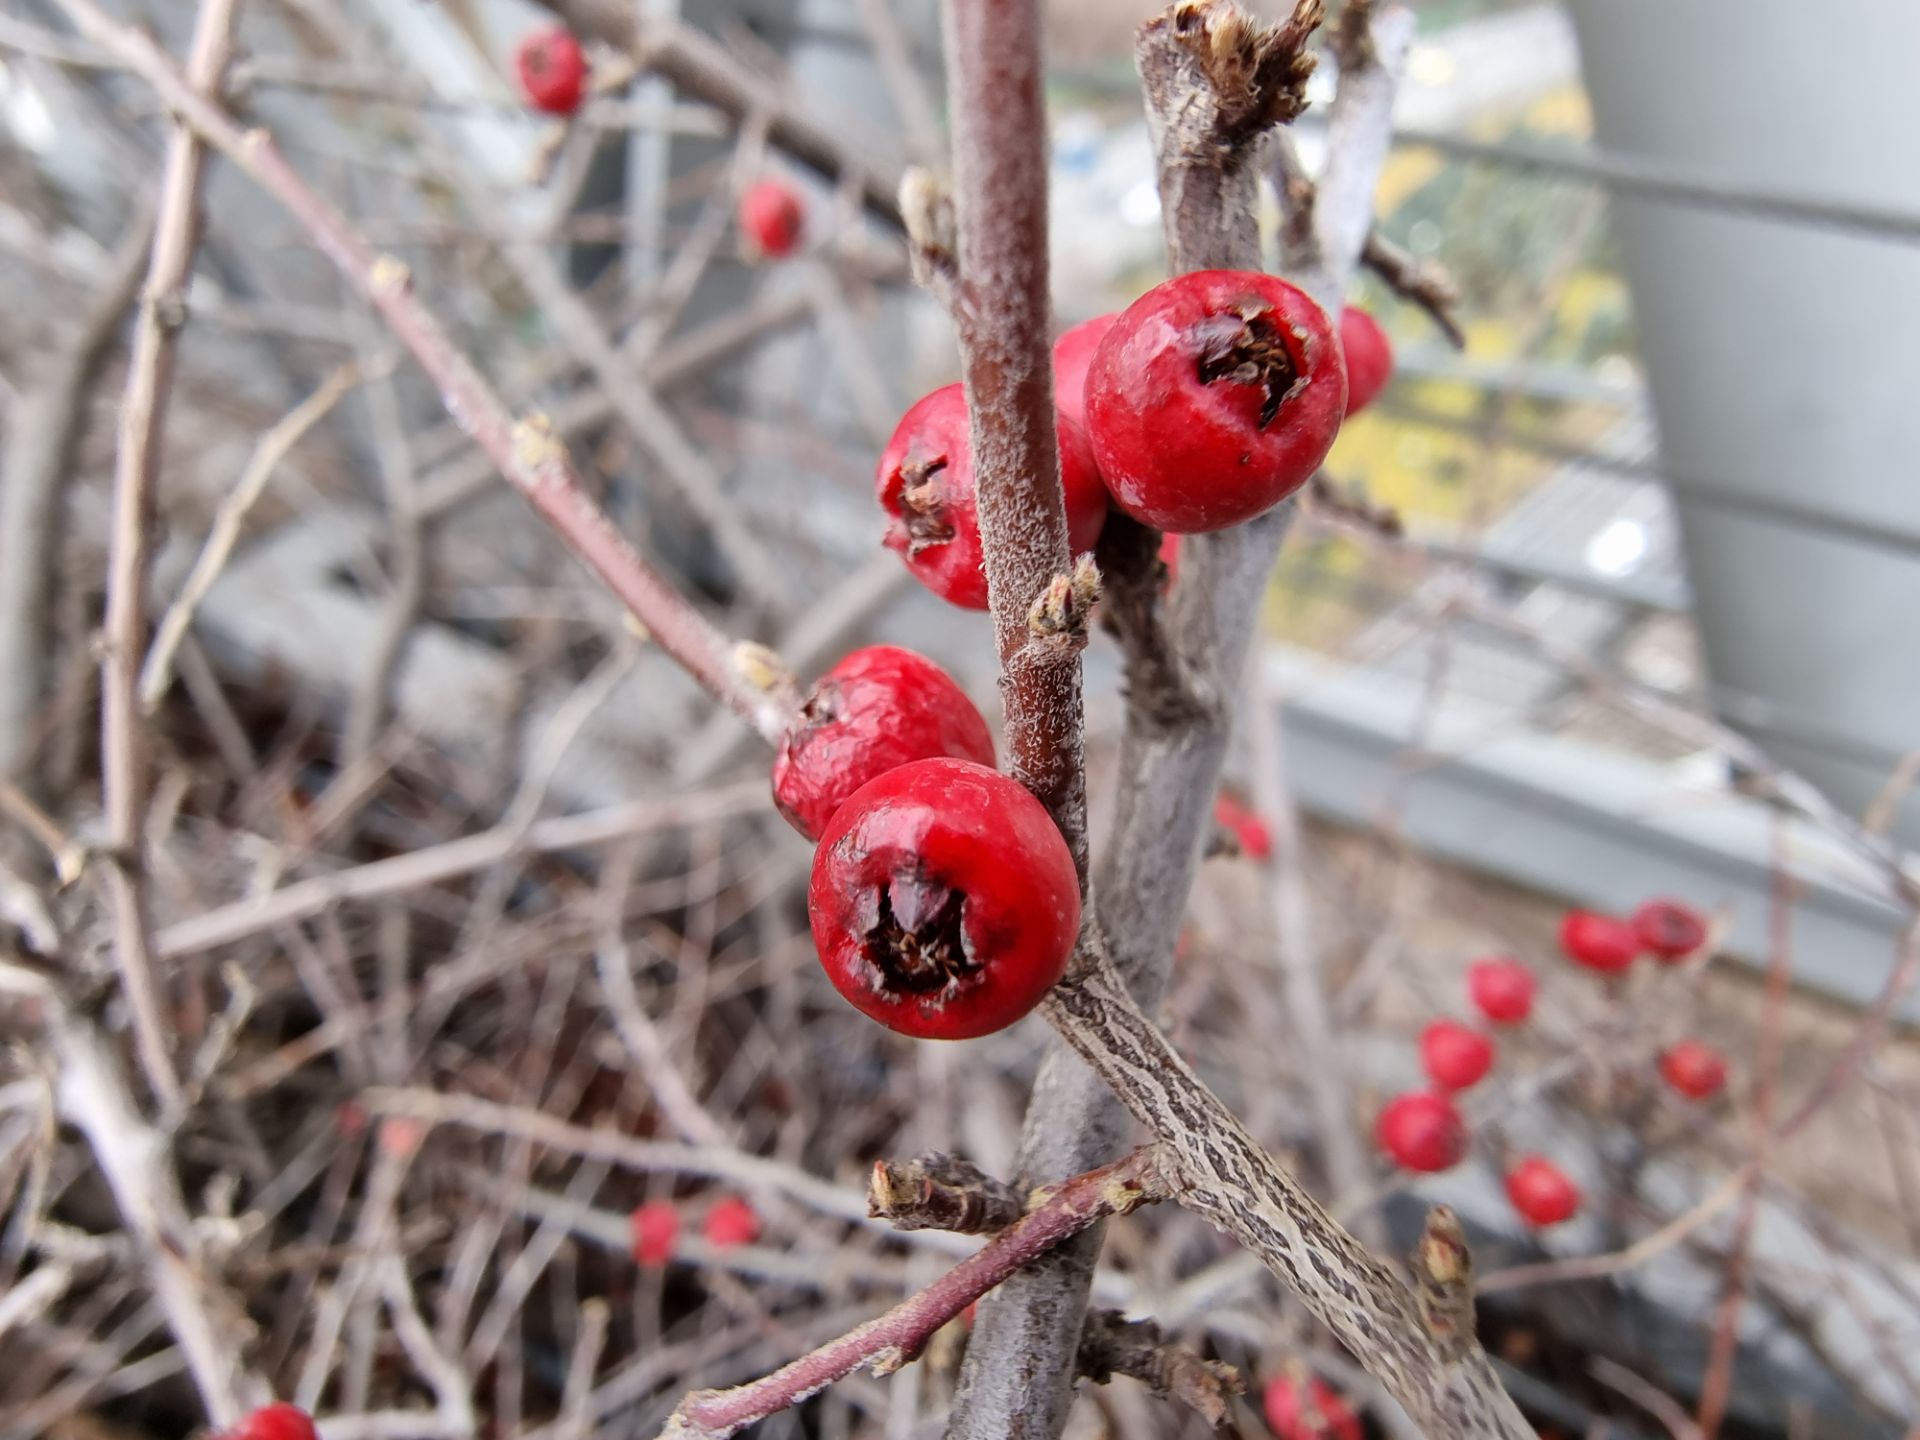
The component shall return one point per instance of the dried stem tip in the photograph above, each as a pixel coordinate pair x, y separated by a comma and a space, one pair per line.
1256, 71
942, 1192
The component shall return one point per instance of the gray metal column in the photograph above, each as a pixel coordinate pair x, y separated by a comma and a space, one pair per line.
1784, 359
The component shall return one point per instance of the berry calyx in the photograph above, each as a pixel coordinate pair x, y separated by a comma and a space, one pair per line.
771, 217
730, 1224
1541, 1193
1501, 989
278, 1421
656, 1228
1249, 831
944, 903
1599, 942
1072, 358
1422, 1131
1369, 357
925, 484
1212, 398
1307, 1408
1694, 1069
552, 69
1455, 1056
1669, 930
877, 709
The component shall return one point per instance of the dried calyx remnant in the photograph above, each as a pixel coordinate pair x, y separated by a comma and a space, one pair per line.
917, 943
923, 503
1256, 73
1250, 349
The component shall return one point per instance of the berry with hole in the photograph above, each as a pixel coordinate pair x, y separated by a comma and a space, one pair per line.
1501, 989
925, 484
1422, 1131
656, 1228
1455, 1056
1694, 1069
1369, 357
1599, 942
278, 1421
1541, 1192
877, 709
552, 69
1072, 358
772, 217
1249, 831
1669, 930
1305, 1407
730, 1223
944, 903
1212, 398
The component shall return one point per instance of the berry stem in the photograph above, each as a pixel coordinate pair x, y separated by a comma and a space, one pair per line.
889, 1341
1000, 310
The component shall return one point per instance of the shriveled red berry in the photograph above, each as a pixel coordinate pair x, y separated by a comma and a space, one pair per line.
944, 903
552, 69
278, 1421
772, 217
730, 1223
877, 709
1501, 989
1072, 357
1307, 1408
1369, 357
1669, 930
1455, 1056
1250, 832
656, 1228
1694, 1069
1214, 397
1599, 942
1541, 1192
1422, 1131
925, 484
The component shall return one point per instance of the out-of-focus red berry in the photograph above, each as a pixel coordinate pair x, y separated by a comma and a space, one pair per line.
1422, 1131
730, 1223
1249, 831
1599, 942
1541, 1192
656, 1229
1369, 357
1072, 356
1455, 1056
1694, 1069
1501, 989
1669, 930
1307, 1408
772, 217
278, 1421
552, 69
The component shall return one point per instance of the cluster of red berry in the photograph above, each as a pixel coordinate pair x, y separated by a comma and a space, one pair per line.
553, 73
729, 1224
1423, 1129
1302, 1406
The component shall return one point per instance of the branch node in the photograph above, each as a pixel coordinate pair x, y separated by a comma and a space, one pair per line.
1443, 1281
1113, 1345
942, 1192
933, 232
535, 443
1066, 605
389, 275
761, 667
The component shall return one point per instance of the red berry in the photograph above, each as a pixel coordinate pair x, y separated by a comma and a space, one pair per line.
278, 1421
1694, 1068
925, 484
1245, 825
731, 1222
1308, 1409
1422, 1131
656, 1226
1072, 357
771, 217
1456, 1056
1369, 357
1541, 1192
1170, 557
552, 69
1599, 942
944, 902
1670, 930
1501, 989
1214, 397
878, 708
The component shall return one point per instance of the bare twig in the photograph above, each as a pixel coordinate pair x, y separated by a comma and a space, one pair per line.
136, 478
941, 1192
1423, 282
1113, 1345
526, 451
893, 1339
